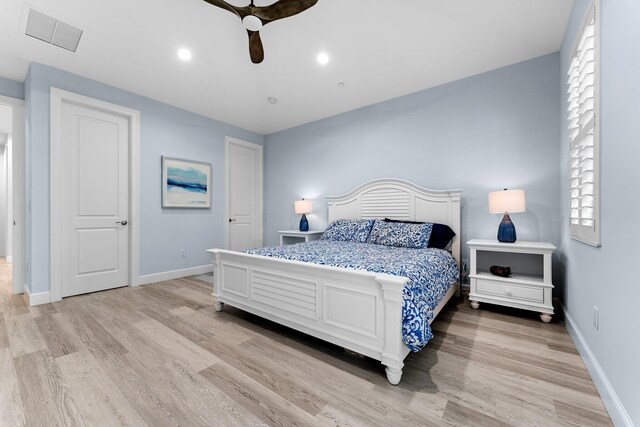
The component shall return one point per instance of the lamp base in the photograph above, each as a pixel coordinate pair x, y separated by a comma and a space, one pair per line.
304, 224
506, 230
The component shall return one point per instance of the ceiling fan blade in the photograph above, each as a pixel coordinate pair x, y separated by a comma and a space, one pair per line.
255, 47
240, 12
282, 9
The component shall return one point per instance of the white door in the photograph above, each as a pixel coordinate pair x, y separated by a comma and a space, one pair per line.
244, 194
95, 200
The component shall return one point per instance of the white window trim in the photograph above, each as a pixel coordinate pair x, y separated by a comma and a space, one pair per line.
590, 235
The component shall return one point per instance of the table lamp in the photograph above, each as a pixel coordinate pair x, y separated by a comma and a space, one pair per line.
303, 207
506, 201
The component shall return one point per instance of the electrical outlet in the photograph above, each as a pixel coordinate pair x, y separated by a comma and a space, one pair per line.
596, 318
183, 253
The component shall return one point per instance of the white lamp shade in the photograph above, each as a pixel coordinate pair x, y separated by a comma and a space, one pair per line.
506, 201
303, 206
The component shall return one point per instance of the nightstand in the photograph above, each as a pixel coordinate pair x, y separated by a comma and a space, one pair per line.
289, 237
529, 286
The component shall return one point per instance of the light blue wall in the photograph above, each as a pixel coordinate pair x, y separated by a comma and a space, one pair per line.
165, 130
606, 276
11, 88
495, 130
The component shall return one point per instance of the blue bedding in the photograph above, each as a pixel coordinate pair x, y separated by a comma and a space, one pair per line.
430, 271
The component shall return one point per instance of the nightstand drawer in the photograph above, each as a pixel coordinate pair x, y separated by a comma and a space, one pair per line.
510, 291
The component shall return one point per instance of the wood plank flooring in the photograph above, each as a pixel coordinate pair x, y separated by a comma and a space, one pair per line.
159, 355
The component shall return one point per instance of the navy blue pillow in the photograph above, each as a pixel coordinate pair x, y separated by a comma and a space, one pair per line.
441, 234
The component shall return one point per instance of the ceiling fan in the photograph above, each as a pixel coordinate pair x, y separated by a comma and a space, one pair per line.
255, 17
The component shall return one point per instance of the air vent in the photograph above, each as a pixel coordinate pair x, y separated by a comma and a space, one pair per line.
66, 36
50, 30
40, 26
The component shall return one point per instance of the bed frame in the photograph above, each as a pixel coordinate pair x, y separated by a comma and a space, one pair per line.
358, 310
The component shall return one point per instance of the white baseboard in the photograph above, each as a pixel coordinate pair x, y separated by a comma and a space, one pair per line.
617, 412
174, 274
38, 298
45, 297
9, 259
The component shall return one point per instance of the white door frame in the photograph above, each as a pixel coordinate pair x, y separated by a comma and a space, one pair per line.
58, 97
259, 191
17, 105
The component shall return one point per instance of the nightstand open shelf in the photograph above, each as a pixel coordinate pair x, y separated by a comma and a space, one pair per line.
524, 290
290, 237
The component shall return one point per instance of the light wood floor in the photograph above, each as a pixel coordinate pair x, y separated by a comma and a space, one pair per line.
159, 355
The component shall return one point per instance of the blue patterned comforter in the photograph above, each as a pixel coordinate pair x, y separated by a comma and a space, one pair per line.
430, 271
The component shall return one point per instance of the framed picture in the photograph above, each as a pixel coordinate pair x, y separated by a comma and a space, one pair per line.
185, 183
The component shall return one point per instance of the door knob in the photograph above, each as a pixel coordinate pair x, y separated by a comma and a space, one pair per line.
123, 222
232, 219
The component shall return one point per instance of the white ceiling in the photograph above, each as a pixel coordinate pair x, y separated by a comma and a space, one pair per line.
379, 49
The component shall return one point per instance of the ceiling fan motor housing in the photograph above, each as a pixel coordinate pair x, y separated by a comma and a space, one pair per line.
255, 17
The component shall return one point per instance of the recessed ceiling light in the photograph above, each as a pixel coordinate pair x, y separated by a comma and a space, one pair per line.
184, 54
323, 58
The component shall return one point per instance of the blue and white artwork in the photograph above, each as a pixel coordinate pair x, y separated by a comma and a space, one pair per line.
185, 184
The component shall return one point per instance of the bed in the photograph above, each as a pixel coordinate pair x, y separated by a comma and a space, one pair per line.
357, 309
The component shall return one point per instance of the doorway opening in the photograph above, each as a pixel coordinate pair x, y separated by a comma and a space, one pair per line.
6, 201
12, 194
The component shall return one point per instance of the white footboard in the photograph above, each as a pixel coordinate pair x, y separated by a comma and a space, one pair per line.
358, 310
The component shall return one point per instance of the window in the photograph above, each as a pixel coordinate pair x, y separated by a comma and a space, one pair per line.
584, 133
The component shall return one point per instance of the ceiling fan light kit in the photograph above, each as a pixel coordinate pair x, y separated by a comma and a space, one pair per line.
255, 17
252, 23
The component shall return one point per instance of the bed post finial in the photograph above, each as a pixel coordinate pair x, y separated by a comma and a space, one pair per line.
215, 257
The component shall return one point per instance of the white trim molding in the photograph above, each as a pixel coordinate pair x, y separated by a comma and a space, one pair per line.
57, 97
617, 412
175, 274
38, 298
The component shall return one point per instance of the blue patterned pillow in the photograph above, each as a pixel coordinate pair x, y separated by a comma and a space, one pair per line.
401, 234
441, 234
348, 230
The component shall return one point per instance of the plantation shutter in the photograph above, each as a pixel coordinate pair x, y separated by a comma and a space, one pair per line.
584, 135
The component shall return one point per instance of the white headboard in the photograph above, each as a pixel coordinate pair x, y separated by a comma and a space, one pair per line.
399, 199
